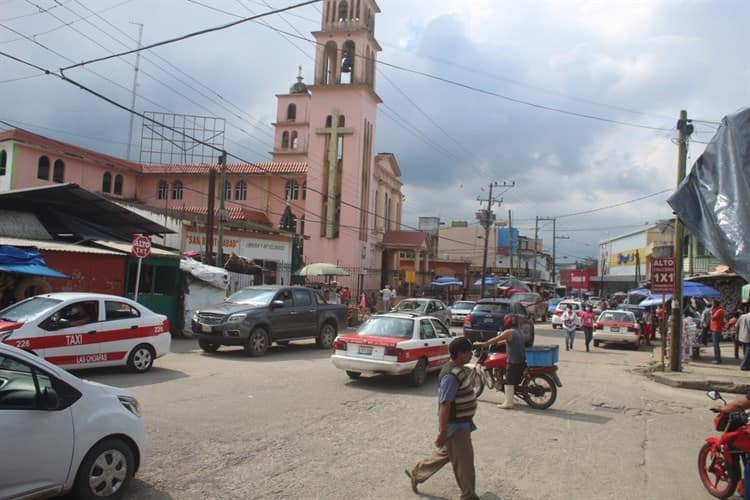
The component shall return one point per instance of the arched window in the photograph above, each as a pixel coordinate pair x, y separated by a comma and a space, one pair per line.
227, 190
106, 182
58, 171
291, 112
240, 191
3, 161
347, 62
42, 171
302, 225
329, 121
295, 140
291, 191
177, 190
118, 184
342, 121
285, 140
163, 192
343, 10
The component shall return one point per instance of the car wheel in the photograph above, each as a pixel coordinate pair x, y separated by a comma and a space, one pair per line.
326, 336
417, 377
353, 375
105, 471
554, 326
207, 347
141, 358
257, 342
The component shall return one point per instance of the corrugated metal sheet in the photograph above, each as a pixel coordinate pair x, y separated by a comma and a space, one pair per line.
127, 247
22, 225
53, 246
265, 168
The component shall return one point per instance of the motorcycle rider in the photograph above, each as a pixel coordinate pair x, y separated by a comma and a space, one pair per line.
740, 404
513, 338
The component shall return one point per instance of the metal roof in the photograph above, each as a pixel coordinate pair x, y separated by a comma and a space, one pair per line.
68, 209
54, 246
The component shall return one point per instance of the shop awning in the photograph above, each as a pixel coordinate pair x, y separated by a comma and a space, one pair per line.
33, 270
18, 260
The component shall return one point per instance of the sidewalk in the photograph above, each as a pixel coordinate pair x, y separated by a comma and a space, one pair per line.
703, 375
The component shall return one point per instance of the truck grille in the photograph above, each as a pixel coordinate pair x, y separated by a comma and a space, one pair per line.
211, 318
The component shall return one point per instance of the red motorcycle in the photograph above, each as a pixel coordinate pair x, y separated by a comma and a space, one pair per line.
538, 386
721, 459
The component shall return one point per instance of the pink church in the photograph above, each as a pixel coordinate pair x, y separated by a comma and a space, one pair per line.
342, 198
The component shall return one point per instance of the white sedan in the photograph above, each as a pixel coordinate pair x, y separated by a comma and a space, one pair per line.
618, 327
62, 434
86, 330
394, 344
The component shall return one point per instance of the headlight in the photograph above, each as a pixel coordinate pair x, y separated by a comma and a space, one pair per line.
236, 318
131, 404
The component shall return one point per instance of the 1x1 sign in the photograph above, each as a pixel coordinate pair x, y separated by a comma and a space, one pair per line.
662, 275
141, 246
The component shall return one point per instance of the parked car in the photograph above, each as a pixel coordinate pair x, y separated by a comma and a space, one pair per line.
560, 309
62, 434
428, 307
87, 330
394, 344
459, 310
617, 326
255, 316
552, 305
486, 320
535, 305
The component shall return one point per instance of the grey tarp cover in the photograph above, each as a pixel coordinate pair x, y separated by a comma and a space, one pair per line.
713, 201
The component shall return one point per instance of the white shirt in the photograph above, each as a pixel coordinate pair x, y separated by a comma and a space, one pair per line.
570, 320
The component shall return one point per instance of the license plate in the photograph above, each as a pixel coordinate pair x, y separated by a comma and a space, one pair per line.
614, 329
489, 320
366, 350
206, 328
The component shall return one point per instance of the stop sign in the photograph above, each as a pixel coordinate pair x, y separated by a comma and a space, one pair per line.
141, 246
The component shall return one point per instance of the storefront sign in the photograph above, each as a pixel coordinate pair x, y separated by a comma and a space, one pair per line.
251, 248
662, 275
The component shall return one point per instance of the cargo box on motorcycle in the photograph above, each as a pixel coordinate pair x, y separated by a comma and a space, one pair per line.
542, 355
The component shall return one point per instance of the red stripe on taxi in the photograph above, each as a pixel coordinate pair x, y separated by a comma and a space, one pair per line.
84, 338
82, 359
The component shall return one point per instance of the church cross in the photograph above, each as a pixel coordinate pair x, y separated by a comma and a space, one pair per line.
334, 132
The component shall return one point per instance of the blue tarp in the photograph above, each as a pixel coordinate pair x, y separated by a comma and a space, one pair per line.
17, 260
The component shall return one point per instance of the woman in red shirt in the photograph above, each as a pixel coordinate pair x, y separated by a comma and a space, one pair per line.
716, 326
587, 322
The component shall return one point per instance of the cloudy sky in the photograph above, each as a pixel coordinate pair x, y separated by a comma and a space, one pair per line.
474, 91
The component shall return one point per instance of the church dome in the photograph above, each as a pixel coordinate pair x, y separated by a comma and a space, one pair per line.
299, 87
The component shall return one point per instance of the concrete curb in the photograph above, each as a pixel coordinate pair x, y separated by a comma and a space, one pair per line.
687, 382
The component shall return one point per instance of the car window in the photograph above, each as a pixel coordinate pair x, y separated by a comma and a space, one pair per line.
115, 309
28, 309
17, 388
426, 330
411, 305
319, 299
252, 296
440, 328
285, 296
492, 308
463, 305
301, 298
77, 314
384, 326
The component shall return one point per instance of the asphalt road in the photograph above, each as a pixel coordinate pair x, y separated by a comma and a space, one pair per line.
290, 425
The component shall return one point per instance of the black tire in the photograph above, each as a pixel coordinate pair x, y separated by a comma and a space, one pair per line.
715, 471
326, 336
141, 358
353, 375
417, 377
207, 346
596, 343
477, 382
541, 391
257, 342
554, 326
105, 471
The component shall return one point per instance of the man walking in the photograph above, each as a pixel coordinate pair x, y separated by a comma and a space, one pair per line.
387, 295
457, 405
716, 325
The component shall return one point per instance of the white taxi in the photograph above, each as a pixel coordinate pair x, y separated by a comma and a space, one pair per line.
394, 344
86, 330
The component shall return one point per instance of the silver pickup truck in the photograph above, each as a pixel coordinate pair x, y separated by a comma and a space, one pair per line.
255, 316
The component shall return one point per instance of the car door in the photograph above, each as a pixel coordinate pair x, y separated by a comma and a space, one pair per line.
304, 323
122, 328
444, 335
72, 339
37, 443
432, 345
281, 315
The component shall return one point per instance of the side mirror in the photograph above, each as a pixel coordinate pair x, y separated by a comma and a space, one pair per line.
50, 400
713, 394
277, 303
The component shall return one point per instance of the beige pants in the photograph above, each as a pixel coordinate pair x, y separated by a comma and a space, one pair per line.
459, 451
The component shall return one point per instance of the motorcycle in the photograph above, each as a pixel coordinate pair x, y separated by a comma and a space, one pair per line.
721, 459
538, 386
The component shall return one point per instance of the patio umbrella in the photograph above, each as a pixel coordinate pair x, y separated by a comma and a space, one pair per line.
696, 289
514, 283
654, 300
447, 281
488, 280
322, 269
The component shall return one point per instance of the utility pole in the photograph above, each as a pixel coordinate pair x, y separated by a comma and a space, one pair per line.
486, 219
536, 253
210, 217
222, 212
510, 242
135, 85
675, 360
554, 246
